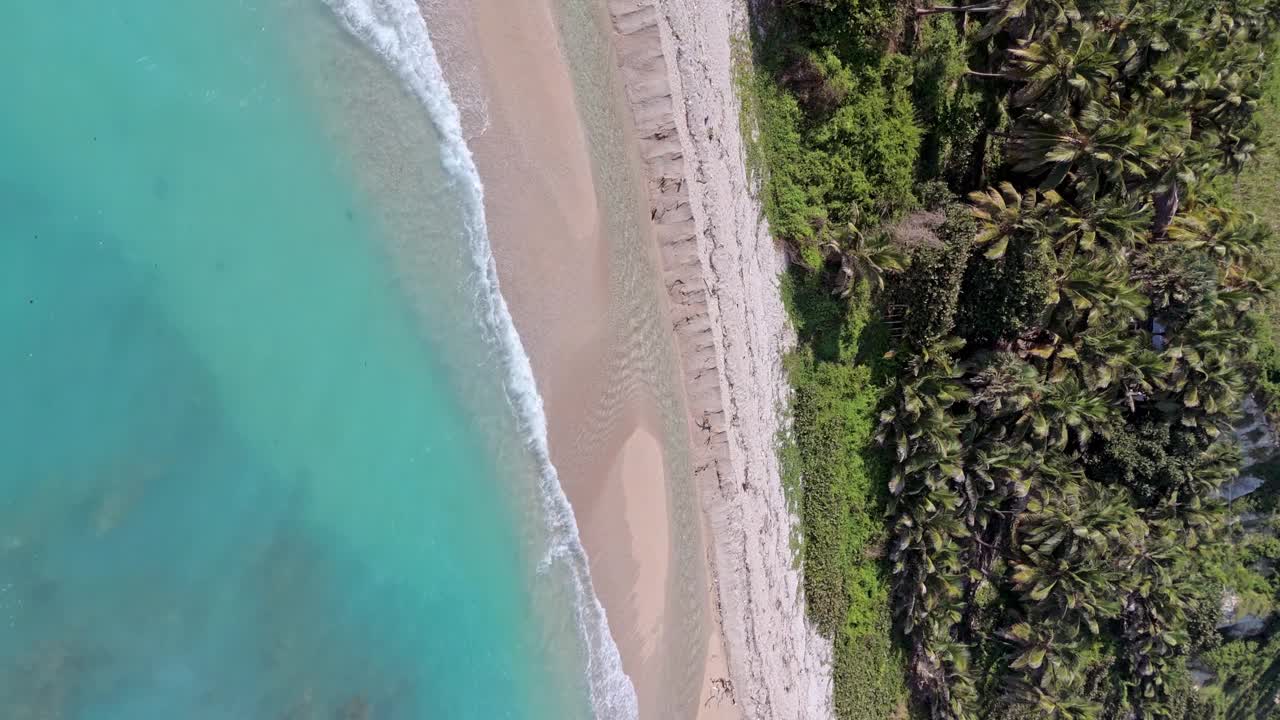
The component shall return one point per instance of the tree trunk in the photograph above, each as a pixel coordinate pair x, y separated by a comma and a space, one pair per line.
1166, 210
982, 558
938, 10
989, 545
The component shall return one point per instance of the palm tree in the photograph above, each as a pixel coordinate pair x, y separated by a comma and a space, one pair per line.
1040, 703
1013, 7
1217, 465
858, 258
1244, 285
1231, 94
1208, 385
924, 424
928, 386
1112, 360
1003, 385
1155, 612
1061, 68
1064, 410
1038, 649
1114, 225
1102, 146
1233, 148
1001, 12
925, 557
1122, 366
1152, 33
1002, 214
1070, 560
1229, 237
1086, 292
1172, 158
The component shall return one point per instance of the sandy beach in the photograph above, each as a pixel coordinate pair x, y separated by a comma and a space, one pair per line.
559, 274
722, 270
715, 272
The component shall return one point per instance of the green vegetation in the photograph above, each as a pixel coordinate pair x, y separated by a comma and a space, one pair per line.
1258, 186
839, 376
1013, 413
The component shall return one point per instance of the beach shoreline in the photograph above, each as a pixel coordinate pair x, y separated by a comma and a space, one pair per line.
717, 272
555, 237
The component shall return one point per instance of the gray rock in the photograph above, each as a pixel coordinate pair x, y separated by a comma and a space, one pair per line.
1246, 627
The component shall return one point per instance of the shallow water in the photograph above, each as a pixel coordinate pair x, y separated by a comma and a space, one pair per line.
258, 457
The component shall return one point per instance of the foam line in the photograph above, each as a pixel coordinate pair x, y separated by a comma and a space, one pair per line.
396, 30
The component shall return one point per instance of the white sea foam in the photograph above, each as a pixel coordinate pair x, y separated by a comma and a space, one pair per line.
396, 30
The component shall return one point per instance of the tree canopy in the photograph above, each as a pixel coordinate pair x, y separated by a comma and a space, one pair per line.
1071, 349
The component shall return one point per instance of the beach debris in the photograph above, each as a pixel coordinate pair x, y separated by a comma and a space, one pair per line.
721, 689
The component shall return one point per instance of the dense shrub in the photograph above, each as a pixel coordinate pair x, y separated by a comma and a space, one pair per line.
847, 22
871, 144
838, 136
924, 298
838, 375
818, 81
868, 677
942, 93
842, 473
1204, 612
935, 195
1264, 364
834, 415
794, 192
1176, 281
1002, 297
1152, 457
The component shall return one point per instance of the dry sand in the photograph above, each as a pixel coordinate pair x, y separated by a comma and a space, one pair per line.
722, 273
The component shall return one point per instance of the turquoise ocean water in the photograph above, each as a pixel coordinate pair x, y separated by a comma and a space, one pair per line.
269, 447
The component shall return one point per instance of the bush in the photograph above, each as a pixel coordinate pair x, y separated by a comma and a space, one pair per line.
859, 23
1233, 660
844, 476
818, 317
818, 81
838, 138
868, 677
1186, 702
1266, 499
1153, 458
837, 376
1204, 611
942, 94
1001, 298
1176, 281
834, 412
1264, 363
843, 473
935, 195
924, 298
793, 201
1249, 673
871, 144
1263, 549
